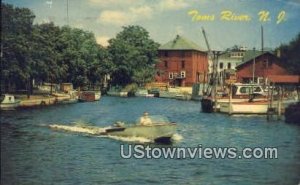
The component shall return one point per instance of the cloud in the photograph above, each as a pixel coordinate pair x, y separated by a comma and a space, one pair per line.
145, 11
103, 40
173, 4
110, 3
114, 17
121, 17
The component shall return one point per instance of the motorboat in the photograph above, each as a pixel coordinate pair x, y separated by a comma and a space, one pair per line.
117, 91
143, 93
160, 130
8, 102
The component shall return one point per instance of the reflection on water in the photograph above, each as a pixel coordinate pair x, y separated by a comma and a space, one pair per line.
60, 145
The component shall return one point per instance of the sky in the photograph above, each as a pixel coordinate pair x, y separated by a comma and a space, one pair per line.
226, 22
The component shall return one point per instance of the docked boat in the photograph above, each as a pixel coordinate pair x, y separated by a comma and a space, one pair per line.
116, 91
161, 130
88, 96
258, 107
66, 98
240, 93
253, 107
8, 102
143, 93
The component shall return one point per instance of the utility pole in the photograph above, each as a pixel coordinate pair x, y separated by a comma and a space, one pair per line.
67, 12
1, 58
253, 66
262, 39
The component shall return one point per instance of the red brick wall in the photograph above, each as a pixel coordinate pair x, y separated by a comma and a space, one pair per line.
194, 62
264, 65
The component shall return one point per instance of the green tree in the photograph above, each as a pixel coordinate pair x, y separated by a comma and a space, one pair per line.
46, 55
291, 55
134, 55
82, 56
17, 25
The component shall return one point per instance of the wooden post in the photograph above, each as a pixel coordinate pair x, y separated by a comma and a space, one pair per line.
279, 103
271, 110
269, 102
230, 99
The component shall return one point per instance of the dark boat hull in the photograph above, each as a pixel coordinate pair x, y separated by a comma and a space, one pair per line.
207, 105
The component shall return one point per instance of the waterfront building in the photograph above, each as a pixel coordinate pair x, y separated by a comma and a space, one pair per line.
264, 66
182, 63
230, 59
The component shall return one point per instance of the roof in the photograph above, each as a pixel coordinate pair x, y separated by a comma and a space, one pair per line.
180, 43
284, 78
250, 55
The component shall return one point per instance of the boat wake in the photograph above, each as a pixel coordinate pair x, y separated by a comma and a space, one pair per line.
101, 132
79, 129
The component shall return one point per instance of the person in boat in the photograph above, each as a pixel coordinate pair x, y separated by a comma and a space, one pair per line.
145, 120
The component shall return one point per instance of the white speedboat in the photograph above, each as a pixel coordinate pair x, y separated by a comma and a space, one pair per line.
143, 93
8, 102
160, 130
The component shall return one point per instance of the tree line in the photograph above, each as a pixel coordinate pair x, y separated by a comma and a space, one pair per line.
290, 54
49, 53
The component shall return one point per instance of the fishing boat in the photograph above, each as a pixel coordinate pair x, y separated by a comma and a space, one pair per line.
8, 102
257, 107
161, 130
253, 107
240, 93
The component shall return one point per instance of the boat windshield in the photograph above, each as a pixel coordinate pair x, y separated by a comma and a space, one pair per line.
156, 119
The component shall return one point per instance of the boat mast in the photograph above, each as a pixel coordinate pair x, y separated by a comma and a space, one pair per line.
253, 66
209, 56
262, 39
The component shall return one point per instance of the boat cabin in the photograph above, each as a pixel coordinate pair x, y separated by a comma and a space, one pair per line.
5, 99
247, 89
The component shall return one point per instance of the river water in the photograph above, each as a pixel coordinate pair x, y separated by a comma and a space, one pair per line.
34, 153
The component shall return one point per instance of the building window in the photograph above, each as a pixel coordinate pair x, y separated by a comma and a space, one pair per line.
229, 65
221, 65
183, 64
170, 75
166, 54
166, 64
182, 74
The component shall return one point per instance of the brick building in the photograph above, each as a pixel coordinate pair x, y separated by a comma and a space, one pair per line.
265, 66
181, 63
